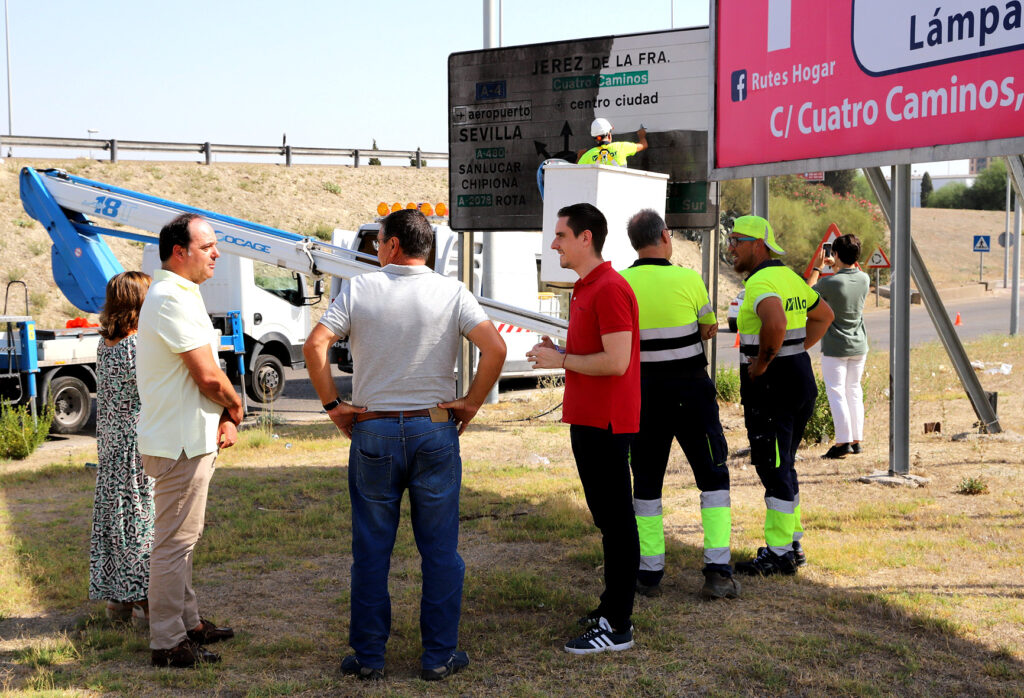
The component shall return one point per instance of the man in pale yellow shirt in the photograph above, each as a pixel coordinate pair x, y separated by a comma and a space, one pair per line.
189, 411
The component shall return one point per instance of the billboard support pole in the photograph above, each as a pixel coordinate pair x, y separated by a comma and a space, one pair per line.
1006, 235
936, 311
899, 325
759, 198
1015, 173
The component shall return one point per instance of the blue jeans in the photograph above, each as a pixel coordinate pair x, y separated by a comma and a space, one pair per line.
388, 456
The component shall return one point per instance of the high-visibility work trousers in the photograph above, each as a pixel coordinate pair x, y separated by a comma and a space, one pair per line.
681, 407
776, 408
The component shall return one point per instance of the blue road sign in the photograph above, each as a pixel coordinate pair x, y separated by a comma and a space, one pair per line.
982, 243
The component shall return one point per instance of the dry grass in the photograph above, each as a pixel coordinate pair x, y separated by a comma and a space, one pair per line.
908, 591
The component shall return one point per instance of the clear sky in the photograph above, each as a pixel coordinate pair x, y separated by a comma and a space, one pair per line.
331, 73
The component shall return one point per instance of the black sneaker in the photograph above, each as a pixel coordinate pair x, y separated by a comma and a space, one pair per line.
838, 451
767, 564
799, 556
718, 585
456, 663
600, 638
351, 666
855, 448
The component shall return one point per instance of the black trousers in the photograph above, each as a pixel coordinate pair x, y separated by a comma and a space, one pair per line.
681, 406
776, 409
602, 459
684, 408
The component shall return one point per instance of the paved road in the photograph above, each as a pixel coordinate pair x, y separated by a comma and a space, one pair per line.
979, 316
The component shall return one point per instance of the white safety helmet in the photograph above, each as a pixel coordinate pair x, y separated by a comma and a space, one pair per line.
600, 127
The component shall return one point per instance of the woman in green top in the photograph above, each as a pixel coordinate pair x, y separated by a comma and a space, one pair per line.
844, 347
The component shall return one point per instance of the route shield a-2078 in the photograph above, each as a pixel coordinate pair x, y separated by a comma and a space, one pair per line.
510, 109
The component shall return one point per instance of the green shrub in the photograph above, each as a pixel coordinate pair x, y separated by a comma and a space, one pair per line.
727, 381
332, 188
950, 196
972, 485
820, 427
19, 435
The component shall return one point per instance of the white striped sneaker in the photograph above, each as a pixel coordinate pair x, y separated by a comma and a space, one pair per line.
600, 638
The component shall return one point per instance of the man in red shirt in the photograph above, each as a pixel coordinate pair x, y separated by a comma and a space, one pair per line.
602, 404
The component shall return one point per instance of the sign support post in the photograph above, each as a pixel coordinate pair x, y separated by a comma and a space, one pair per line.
982, 244
1015, 169
899, 326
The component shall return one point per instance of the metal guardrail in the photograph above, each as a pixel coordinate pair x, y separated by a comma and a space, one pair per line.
207, 149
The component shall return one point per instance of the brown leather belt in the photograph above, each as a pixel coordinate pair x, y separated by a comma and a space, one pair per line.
366, 416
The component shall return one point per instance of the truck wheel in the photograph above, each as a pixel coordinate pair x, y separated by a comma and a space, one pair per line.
265, 382
732, 324
72, 404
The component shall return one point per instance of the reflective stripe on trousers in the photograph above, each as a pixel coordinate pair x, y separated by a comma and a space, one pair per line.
650, 527
716, 519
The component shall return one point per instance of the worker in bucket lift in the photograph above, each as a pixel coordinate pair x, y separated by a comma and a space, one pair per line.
608, 153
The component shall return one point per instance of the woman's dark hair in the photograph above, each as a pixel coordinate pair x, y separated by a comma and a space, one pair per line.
847, 248
120, 314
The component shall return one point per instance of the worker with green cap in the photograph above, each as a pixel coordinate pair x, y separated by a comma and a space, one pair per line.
605, 152
780, 318
677, 401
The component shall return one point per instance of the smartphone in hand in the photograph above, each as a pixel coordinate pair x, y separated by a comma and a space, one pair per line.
827, 249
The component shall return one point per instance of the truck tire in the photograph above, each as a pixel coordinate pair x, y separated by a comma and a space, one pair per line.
265, 382
72, 404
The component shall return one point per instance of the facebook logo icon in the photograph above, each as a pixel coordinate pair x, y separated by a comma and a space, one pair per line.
739, 85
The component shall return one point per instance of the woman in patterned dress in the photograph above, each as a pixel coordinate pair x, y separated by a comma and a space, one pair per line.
122, 522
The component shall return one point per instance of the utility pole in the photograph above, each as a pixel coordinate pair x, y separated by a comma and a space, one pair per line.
492, 39
7, 44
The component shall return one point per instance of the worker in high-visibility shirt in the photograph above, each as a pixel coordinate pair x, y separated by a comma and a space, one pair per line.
677, 400
606, 152
780, 318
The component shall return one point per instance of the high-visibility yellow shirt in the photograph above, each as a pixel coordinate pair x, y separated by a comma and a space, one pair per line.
614, 153
774, 279
673, 304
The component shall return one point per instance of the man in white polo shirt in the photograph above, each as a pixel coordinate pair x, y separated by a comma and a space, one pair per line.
189, 411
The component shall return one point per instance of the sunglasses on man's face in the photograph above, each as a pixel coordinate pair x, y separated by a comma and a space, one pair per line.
733, 241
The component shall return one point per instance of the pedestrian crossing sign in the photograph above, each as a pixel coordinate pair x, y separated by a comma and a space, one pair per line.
982, 243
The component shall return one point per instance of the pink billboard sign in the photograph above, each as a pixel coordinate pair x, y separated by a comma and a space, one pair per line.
802, 80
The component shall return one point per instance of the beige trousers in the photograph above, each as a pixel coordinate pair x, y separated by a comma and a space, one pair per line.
179, 495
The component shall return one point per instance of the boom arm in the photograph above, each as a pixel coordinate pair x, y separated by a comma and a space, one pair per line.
82, 261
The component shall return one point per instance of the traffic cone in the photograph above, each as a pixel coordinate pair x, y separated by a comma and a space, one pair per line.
737, 342
957, 322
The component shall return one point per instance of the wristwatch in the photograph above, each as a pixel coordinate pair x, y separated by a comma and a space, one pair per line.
328, 406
